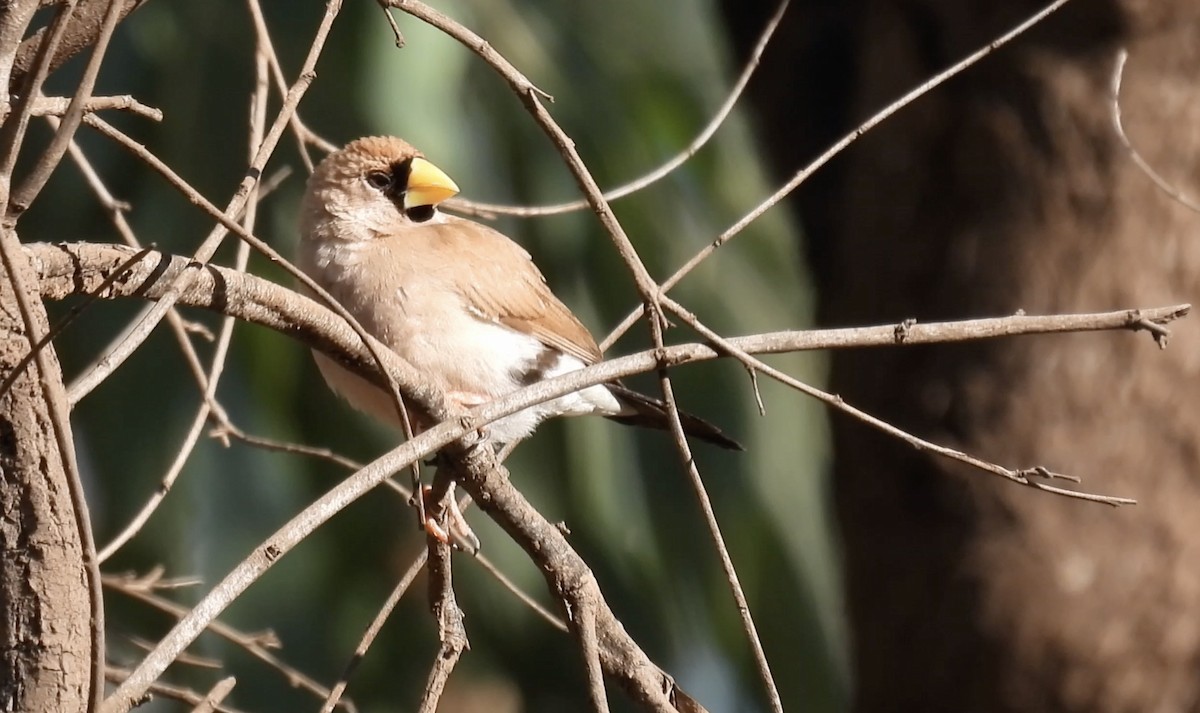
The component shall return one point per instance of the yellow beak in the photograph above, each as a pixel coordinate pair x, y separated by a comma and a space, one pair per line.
427, 185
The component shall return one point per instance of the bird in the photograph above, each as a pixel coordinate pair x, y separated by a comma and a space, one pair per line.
461, 302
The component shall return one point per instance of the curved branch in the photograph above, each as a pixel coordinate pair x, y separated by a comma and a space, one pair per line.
67, 269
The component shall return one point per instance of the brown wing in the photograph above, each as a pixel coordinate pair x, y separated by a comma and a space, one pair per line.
500, 282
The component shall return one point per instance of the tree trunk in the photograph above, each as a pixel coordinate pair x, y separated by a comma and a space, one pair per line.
1006, 189
46, 657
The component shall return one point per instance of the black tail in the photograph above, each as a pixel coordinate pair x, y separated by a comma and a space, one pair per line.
652, 413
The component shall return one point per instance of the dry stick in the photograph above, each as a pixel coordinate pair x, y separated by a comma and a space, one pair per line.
550, 617
372, 631
32, 185
227, 428
116, 674
193, 660
58, 327
257, 645
1024, 476
1162, 183
12, 136
803, 174
265, 46
392, 24
57, 106
65, 268
217, 694
662, 171
589, 648
69, 268
451, 631
714, 531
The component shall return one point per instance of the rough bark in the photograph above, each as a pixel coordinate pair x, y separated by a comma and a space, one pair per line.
1006, 189
45, 607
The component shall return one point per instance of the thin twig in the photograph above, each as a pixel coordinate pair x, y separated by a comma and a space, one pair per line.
392, 24
714, 530
12, 136
262, 38
117, 674
372, 631
217, 693
841, 145
57, 106
23, 196
452, 633
660, 172
550, 617
1163, 184
258, 645
1022, 476
589, 648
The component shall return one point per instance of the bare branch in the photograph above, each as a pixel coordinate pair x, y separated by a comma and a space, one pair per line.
372, 631
841, 145
215, 695
1163, 184
259, 645
57, 106
714, 530
451, 631
117, 674
660, 172
66, 268
23, 195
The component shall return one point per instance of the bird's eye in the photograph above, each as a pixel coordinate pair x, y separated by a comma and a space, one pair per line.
379, 179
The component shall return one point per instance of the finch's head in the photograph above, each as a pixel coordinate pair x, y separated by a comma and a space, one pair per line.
373, 185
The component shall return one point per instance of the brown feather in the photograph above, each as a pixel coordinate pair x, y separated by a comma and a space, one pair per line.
500, 283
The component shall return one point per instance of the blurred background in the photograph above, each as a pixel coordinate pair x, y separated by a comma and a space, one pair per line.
1006, 189
633, 84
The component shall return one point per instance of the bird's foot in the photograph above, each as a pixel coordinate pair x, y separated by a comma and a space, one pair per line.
449, 527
